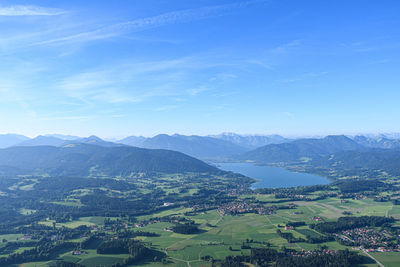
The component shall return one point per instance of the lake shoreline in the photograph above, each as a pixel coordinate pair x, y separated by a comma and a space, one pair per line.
267, 176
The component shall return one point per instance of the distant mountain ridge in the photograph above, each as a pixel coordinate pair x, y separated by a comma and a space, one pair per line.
84, 159
42, 140
92, 140
301, 149
132, 140
7, 140
379, 142
251, 141
196, 146
47, 140
63, 136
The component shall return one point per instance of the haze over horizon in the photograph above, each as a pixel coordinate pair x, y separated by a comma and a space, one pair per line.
144, 67
67, 136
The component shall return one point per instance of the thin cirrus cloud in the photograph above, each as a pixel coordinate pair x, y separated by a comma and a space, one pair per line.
130, 83
142, 24
22, 10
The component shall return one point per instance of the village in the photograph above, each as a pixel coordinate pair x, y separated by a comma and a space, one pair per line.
369, 239
236, 208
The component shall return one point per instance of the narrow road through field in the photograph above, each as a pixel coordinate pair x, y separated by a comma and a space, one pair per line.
369, 255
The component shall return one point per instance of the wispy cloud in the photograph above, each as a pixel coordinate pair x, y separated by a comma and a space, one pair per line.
142, 24
23, 10
304, 76
198, 90
137, 81
223, 77
125, 83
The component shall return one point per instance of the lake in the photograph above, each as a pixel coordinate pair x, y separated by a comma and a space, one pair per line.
273, 177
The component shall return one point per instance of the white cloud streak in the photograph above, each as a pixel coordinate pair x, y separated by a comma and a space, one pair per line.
22, 10
148, 23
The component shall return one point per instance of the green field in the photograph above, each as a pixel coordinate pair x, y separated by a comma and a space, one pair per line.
219, 233
389, 259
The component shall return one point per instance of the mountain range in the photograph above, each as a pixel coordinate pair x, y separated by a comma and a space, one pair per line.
301, 149
72, 155
380, 142
197, 146
85, 159
7, 140
252, 141
258, 148
343, 155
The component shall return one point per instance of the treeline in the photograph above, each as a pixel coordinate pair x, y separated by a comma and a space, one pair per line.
289, 237
351, 222
355, 186
43, 252
137, 250
133, 234
185, 228
295, 224
265, 257
299, 190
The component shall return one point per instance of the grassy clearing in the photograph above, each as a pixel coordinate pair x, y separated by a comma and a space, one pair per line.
72, 224
308, 232
91, 258
11, 237
26, 211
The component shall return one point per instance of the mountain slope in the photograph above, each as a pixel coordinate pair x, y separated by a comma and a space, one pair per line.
42, 140
196, 146
92, 140
300, 149
133, 141
7, 140
380, 142
50, 140
83, 160
63, 136
355, 161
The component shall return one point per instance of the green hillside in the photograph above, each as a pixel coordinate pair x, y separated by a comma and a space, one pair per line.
84, 159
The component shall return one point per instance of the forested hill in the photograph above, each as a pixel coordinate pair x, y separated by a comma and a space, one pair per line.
387, 160
340, 154
301, 149
84, 160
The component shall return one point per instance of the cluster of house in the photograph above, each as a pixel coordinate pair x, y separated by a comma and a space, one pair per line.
200, 207
317, 219
27, 237
78, 252
369, 238
354, 196
235, 208
115, 226
382, 198
379, 249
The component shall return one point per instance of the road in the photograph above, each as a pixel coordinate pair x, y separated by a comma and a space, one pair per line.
369, 255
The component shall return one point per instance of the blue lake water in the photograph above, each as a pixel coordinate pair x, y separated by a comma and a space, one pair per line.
273, 177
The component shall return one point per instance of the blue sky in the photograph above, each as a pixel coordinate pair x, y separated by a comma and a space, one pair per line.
143, 67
